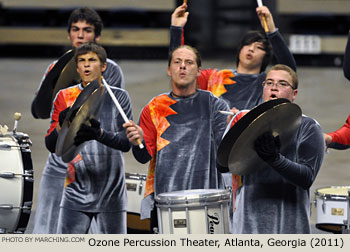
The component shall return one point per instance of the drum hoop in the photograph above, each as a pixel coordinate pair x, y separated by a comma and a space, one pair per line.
182, 205
194, 199
331, 196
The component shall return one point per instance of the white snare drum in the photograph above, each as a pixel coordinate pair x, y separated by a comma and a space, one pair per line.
201, 211
135, 185
332, 208
16, 183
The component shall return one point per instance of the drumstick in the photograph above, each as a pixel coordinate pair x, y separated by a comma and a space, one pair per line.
185, 1
226, 112
121, 111
266, 28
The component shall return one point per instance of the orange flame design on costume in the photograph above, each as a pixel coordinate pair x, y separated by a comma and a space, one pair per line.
217, 80
70, 175
150, 177
159, 108
70, 95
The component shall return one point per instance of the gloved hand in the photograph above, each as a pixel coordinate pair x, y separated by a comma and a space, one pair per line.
268, 147
87, 133
62, 116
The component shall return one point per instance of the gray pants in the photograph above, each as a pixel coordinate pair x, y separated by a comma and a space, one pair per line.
78, 222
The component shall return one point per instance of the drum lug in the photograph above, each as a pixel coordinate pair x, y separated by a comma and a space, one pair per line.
6, 207
140, 188
324, 205
7, 175
5, 146
2, 230
28, 175
27, 207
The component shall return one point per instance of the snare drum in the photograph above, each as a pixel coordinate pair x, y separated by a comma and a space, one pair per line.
332, 208
201, 211
16, 183
135, 185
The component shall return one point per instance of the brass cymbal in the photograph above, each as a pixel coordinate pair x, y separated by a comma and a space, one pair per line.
90, 109
68, 77
236, 151
81, 99
43, 101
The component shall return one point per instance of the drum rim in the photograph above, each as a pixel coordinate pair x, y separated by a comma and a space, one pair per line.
213, 196
331, 196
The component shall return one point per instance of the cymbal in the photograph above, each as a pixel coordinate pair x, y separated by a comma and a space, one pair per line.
236, 150
43, 101
68, 77
90, 109
81, 99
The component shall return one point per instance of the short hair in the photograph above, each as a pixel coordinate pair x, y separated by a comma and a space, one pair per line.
91, 47
194, 50
88, 15
257, 36
289, 70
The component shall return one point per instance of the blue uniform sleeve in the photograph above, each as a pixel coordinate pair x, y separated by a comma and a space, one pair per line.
175, 37
310, 151
281, 50
118, 140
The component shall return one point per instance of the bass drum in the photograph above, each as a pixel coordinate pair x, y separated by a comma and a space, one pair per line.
135, 185
16, 183
332, 208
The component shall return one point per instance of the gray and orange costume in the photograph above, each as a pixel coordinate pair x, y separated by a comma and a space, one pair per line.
181, 136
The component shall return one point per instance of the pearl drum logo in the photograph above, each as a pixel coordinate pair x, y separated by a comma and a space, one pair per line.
213, 223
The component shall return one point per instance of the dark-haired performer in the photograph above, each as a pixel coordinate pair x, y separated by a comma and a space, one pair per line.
84, 25
182, 131
95, 183
241, 87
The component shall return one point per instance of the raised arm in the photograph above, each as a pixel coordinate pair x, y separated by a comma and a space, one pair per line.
280, 48
178, 22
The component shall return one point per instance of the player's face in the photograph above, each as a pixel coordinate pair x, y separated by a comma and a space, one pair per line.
252, 55
183, 68
277, 90
81, 32
90, 67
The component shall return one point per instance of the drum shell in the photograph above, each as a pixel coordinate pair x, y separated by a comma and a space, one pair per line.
201, 211
16, 160
135, 185
331, 209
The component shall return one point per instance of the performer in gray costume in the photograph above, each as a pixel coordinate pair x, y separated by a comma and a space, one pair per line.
276, 198
84, 25
181, 130
95, 183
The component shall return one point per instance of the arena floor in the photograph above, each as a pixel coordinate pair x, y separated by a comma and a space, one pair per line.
323, 94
